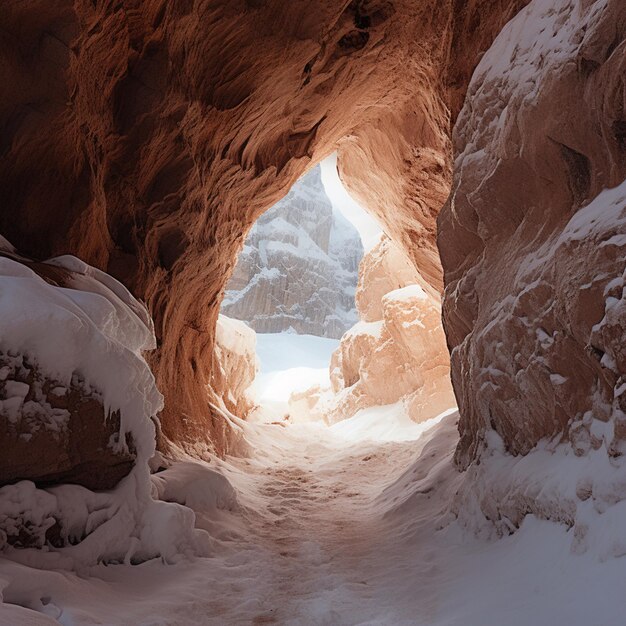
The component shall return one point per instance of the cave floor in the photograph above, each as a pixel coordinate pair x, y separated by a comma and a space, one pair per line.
329, 555
322, 526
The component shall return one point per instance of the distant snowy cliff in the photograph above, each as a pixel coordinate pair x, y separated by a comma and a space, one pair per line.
298, 268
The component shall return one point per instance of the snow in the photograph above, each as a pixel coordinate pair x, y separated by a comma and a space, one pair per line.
298, 268
383, 423
92, 334
366, 522
408, 292
289, 363
327, 528
369, 328
70, 329
282, 351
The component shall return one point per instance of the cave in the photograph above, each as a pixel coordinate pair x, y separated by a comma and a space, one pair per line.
140, 143
335, 310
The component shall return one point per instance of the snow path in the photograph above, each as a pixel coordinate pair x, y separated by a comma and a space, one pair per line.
302, 547
326, 529
317, 525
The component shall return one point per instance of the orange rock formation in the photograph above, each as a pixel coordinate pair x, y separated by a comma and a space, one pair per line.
146, 138
398, 350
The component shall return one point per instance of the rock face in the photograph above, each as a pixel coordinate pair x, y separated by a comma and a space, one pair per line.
398, 350
146, 138
533, 237
298, 268
235, 350
52, 433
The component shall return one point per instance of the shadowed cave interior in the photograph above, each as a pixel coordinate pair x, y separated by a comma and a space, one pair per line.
428, 426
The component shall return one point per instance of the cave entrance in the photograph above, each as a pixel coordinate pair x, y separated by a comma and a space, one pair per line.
327, 349
294, 284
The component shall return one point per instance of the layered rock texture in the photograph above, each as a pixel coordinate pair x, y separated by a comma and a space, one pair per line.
533, 237
298, 267
396, 352
146, 138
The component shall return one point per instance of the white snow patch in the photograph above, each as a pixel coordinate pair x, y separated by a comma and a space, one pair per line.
384, 423
288, 363
97, 331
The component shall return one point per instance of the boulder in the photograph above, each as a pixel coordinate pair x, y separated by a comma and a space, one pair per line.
77, 401
533, 236
401, 356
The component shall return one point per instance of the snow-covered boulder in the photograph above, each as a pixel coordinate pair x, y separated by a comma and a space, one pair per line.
78, 404
298, 267
76, 397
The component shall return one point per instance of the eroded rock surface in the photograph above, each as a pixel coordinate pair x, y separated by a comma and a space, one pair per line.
533, 237
146, 138
398, 350
52, 433
298, 267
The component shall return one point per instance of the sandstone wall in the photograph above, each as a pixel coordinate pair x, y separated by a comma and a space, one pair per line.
398, 349
534, 249
236, 364
146, 138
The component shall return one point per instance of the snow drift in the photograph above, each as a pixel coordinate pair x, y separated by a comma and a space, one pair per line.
81, 329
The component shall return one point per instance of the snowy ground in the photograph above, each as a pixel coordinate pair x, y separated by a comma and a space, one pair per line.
288, 363
333, 526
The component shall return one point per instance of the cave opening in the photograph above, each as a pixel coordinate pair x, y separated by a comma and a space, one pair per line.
143, 480
336, 324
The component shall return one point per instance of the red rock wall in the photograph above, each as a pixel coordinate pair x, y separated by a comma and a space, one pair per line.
534, 251
146, 137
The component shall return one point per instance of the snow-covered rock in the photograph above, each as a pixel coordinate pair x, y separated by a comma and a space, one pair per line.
401, 357
298, 267
396, 353
78, 404
533, 234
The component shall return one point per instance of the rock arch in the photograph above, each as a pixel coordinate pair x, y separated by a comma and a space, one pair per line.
146, 137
